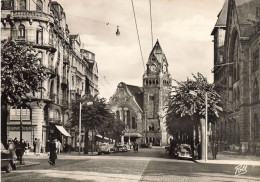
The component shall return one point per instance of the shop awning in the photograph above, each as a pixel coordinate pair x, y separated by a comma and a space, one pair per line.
100, 136
62, 130
134, 135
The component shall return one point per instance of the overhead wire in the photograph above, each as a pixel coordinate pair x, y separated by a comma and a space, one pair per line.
106, 80
151, 21
138, 34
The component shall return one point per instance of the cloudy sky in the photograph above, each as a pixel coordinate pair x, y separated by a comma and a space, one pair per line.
183, 28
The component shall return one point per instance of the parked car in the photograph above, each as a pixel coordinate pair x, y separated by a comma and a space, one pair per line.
183, 151
7, 161
121, 148
127, 147
105, 148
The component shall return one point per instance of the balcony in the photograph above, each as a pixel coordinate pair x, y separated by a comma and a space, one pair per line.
31, 15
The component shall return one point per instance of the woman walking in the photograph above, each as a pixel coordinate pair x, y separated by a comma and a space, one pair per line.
53, 154
38, 147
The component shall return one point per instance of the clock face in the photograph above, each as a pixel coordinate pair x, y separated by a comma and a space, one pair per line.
153, 67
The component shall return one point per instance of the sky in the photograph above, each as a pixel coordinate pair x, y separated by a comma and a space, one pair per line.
182, 27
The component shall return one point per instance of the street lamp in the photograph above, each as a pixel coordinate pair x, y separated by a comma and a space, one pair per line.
80, 107
206, 121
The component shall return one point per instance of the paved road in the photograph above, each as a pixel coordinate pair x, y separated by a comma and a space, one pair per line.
147, 165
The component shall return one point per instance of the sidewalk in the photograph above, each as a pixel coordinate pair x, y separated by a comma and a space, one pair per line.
228, 157
45, 155
26, 164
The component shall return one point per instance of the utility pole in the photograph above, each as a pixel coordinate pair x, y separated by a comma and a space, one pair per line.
79, 126
206, 127
21, 135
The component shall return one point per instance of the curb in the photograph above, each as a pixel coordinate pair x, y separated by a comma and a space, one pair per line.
228, 162
19, 166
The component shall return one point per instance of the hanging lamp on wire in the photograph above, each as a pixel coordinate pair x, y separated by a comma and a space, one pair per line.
117, 31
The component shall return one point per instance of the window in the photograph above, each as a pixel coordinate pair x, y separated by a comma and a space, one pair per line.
51, 36
72, 79
22, 4
234, 56
151, 127
21, 32
128, 118
255, 58
39, 5
117, 115
133, 123
255, 96
255, 128
39, 36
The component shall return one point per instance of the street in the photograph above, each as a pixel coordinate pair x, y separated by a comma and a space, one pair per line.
146, 165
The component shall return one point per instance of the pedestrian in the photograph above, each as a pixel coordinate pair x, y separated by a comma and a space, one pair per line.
23, 146
69, 147
47, 149
57, 146
53, 154
11, 148
199, 150
214, 150
34, 146
38, 147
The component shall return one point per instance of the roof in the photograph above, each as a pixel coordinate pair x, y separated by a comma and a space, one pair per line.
137, 92
158, 53
222, 17
246, 13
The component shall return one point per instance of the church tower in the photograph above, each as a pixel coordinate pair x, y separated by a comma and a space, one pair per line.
156, 85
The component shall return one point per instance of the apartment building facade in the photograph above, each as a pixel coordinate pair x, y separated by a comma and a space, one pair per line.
44, 25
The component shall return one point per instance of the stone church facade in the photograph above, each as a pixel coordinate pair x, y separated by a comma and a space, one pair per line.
142, 108
236, 67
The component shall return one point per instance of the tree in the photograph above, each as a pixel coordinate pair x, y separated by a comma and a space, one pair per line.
94, 117
21, 74
186, 111
118, 126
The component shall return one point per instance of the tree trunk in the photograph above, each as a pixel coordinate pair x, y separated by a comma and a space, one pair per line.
86, 142
4, 117
203, 139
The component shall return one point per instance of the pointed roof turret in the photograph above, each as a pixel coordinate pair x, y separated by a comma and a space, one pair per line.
157, 53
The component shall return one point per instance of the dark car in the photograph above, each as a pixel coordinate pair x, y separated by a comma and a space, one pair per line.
121, 148
183, 151
7, 160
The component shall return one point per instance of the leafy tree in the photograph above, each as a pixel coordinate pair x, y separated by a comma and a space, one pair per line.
118, 126
187, 110
94, 117
21, 74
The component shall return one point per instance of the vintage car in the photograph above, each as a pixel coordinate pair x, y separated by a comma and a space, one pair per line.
105, 148
183, 151
121, 148
7, 160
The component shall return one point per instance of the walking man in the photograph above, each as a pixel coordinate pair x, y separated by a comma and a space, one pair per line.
53, 154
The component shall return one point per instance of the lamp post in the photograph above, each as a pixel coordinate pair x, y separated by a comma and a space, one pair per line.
80, 107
